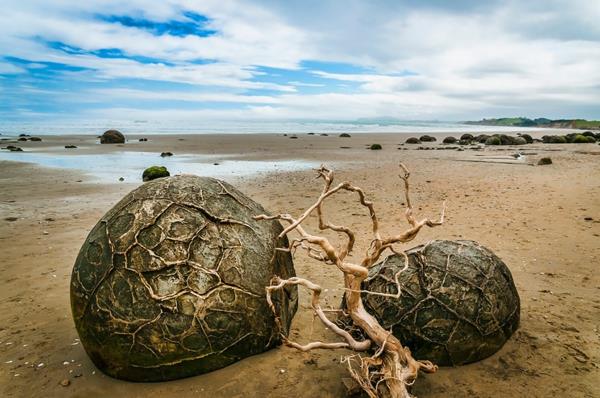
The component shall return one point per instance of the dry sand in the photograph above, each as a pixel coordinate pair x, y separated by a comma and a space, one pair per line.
533, 217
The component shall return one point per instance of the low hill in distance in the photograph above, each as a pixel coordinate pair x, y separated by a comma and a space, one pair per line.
540, 122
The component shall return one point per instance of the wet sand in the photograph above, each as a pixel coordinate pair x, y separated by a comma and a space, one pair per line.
536, 218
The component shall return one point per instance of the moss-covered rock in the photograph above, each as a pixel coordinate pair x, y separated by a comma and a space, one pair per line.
449, 140
493, 140
375, 147
112, 137
558, 139
528, 138
519, 141
582, 139
481, 138
154, 172
412, 140
554, 139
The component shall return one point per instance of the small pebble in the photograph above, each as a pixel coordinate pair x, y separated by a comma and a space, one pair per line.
65, 382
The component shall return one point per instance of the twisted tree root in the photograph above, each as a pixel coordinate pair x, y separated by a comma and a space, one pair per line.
391, 370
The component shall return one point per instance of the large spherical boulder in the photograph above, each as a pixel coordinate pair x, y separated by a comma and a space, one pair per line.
171, 281
112, 137
458, 302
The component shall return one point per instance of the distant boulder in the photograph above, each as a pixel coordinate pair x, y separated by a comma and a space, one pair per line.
112, 137
166, 154
493, 140
466, 137
519, 141
588, 134
70, 146
449, 140
544, 161
583, 139
375, 147
35, 139
413, 140
22, 139
481, 138
143, 139
345, 135
554, 139
527, 138
427, 138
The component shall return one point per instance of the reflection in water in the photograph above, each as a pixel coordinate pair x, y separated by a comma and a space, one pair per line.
130, 165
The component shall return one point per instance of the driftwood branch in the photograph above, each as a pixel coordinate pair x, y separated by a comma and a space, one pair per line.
391, 370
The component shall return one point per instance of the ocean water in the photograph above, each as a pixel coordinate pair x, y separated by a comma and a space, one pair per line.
130, 165
149, 127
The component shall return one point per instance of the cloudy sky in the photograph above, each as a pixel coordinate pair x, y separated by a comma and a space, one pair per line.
311, 59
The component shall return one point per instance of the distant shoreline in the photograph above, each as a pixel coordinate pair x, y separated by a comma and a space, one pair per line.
575, 124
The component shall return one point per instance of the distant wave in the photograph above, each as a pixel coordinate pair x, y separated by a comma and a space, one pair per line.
150, 127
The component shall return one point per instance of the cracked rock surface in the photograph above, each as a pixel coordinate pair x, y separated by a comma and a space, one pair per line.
458, 304
171, 281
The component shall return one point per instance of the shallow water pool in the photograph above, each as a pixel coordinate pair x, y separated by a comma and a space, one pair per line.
130, 165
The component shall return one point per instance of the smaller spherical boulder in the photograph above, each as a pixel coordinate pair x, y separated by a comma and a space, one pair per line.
427, 138
112, 137
458, 302
375, 147
544, 161
154, 172
467, 137
345, 135
413, 140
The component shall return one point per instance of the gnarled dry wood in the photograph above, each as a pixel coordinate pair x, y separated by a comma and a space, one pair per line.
392, 369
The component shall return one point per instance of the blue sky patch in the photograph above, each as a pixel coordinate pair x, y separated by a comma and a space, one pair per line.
192, 24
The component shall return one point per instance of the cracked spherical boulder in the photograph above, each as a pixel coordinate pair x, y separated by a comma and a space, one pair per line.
171, 281
458, 303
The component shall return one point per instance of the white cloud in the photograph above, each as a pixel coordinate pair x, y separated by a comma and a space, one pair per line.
536, 58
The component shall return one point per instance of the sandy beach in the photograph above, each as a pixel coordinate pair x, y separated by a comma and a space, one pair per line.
543, 221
